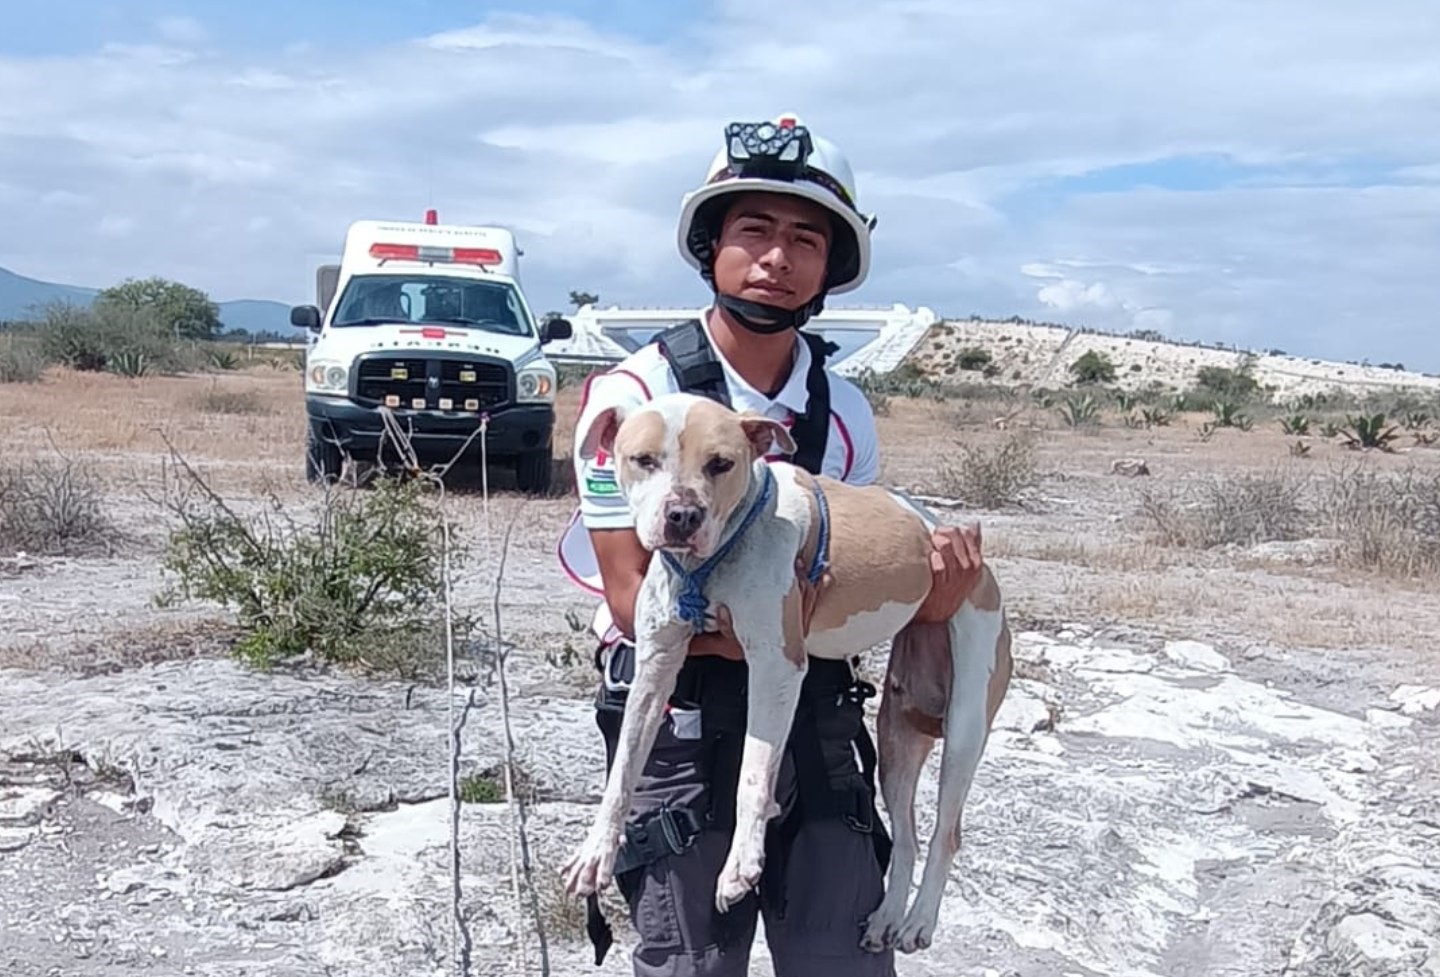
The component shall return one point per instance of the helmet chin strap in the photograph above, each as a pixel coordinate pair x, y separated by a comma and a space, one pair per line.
766, 319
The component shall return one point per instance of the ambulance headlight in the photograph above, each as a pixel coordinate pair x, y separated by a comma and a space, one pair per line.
535, 385
327, 378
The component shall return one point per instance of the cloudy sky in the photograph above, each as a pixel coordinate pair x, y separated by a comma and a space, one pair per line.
1259, 173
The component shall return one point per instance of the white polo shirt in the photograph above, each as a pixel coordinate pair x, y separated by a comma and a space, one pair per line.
851, 449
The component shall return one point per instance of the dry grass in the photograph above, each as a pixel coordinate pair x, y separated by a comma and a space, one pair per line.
219, 400
1391, 521
1239, 510
1084, 552
102, 413
1388, 522
148, 644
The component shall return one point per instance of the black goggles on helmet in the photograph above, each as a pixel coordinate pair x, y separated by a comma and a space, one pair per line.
772, 151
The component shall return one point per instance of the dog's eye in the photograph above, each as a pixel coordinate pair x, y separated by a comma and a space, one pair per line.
718, 466
644, 462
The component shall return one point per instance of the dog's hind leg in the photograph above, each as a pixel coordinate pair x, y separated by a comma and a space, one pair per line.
977, 634
917, 682
776, 672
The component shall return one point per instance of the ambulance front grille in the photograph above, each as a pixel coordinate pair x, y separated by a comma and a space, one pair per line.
432, 383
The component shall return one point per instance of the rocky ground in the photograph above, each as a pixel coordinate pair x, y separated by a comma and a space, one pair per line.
1163, 796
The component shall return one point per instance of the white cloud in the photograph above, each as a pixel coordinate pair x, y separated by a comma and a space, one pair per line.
237, 173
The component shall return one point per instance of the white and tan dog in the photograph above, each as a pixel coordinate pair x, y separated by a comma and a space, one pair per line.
695, 477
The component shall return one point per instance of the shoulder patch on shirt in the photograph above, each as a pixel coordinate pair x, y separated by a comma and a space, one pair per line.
597, 484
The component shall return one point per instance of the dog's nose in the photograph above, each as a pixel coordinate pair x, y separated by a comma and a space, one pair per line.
681, 521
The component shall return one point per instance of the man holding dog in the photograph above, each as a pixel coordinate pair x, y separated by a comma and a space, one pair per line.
774, 230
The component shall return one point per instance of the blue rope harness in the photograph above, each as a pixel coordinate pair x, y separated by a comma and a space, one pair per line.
820, 562
691, 604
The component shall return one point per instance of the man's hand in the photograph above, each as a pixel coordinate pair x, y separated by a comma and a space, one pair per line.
955, 564
722, 641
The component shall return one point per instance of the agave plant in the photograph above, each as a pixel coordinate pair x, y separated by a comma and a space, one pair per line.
1156, 416
1416, 420
1228, 414
1369, 431
129, 363
223, 359
1079, 411
1296, 424
1124, 399
1299, 449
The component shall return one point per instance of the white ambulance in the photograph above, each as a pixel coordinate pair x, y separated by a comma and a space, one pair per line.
428, 320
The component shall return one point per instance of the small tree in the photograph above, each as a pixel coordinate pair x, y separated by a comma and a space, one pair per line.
177, 310
1219, 382
578, 298
973, 358
1093, 367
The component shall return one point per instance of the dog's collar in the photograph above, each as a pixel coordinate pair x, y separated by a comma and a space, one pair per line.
691, 604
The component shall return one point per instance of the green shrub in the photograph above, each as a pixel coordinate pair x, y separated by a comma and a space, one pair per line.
1093, 366
362, 586
112, 338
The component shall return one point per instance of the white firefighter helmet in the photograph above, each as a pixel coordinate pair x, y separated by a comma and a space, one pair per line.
780, 156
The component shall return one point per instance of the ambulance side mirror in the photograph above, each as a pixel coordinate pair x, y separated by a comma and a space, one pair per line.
556, 328
305, 317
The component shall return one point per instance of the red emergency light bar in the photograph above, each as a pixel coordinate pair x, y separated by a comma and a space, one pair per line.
453, 256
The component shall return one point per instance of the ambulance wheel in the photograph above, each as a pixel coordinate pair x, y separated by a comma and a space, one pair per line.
323, 461
533, 471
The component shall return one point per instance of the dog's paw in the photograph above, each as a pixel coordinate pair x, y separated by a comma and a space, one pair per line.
916, 933
883, 926
591, 867
739, 876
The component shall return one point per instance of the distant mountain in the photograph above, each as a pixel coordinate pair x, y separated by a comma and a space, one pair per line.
20, 295
257, 316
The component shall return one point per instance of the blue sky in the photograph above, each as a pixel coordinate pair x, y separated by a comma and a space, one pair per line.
1260, 174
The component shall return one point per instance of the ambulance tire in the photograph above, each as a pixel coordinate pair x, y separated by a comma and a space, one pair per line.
323, 460
533, 470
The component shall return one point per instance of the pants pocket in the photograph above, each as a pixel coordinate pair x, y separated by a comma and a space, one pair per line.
653, 909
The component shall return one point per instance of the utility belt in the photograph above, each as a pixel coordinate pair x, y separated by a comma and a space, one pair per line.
829, 730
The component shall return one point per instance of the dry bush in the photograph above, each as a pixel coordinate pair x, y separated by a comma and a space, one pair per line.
992, 478
1239, 510
54, 508
1390, 522
235, 402
20, 361
1386, 522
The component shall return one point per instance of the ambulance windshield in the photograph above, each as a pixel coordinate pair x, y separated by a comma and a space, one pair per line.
371, 300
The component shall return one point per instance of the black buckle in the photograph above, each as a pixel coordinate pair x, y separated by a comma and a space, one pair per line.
677, 828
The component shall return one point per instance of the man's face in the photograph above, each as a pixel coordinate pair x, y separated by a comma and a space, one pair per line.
773, 249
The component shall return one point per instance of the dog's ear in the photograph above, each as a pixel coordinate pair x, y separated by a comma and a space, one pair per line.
765, 431
600, 435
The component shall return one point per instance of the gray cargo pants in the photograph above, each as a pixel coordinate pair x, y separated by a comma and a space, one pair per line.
832, 882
